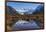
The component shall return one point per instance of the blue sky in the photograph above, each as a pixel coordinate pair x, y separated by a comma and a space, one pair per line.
22, 5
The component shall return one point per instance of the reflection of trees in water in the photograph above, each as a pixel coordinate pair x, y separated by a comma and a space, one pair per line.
26, 18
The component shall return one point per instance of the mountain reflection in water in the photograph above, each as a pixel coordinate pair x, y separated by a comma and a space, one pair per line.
25, 25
